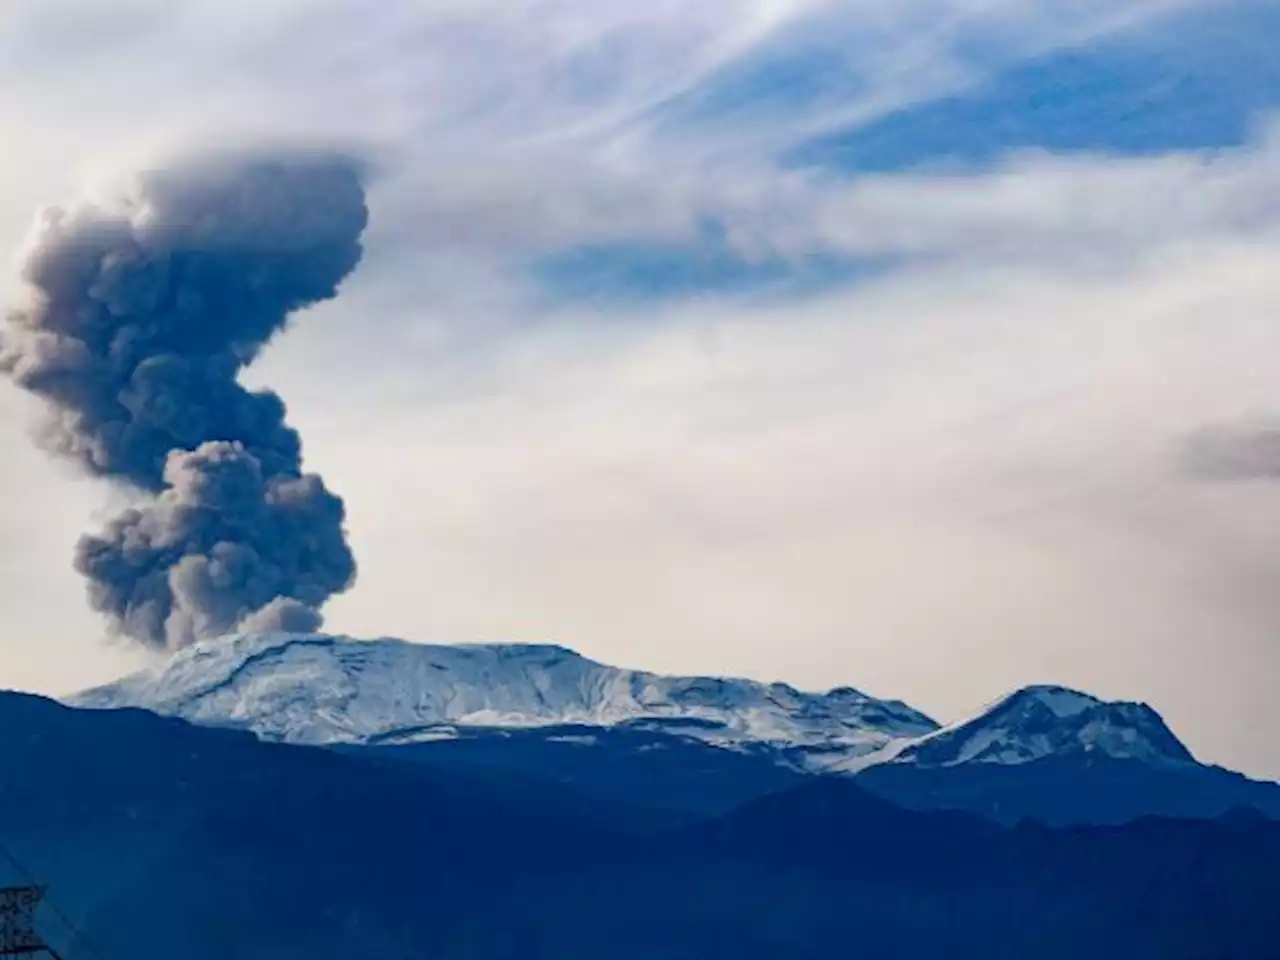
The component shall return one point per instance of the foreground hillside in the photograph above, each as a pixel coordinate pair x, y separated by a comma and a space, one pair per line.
163, 839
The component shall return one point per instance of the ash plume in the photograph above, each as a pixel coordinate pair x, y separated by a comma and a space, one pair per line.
139, 321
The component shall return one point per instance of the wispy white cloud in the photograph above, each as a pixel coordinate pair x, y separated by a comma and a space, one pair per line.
515, 125
1031, 206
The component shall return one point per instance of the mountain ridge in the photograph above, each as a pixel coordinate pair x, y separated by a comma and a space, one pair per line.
1042, 720
331, 689
323, 689
1043, 752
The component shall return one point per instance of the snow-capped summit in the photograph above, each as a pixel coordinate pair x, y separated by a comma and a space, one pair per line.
327, 689
318, 689
1040, 721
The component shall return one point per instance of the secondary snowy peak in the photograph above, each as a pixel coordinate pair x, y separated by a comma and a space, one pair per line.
1040, 721
327, 689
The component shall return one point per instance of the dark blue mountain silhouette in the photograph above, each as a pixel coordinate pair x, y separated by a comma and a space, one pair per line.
1062, 791
685, 776
161, 839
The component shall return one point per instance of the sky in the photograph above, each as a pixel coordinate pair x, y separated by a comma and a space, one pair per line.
924, 346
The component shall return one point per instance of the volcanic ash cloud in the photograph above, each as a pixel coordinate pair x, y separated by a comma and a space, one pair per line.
138, 322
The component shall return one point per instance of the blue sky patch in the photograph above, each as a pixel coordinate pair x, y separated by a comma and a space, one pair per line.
799, 69
1198, 80
640, 273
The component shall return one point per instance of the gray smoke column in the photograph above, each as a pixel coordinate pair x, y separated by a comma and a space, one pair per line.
139, 321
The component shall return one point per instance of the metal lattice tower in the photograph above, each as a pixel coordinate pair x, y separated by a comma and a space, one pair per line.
18, 934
